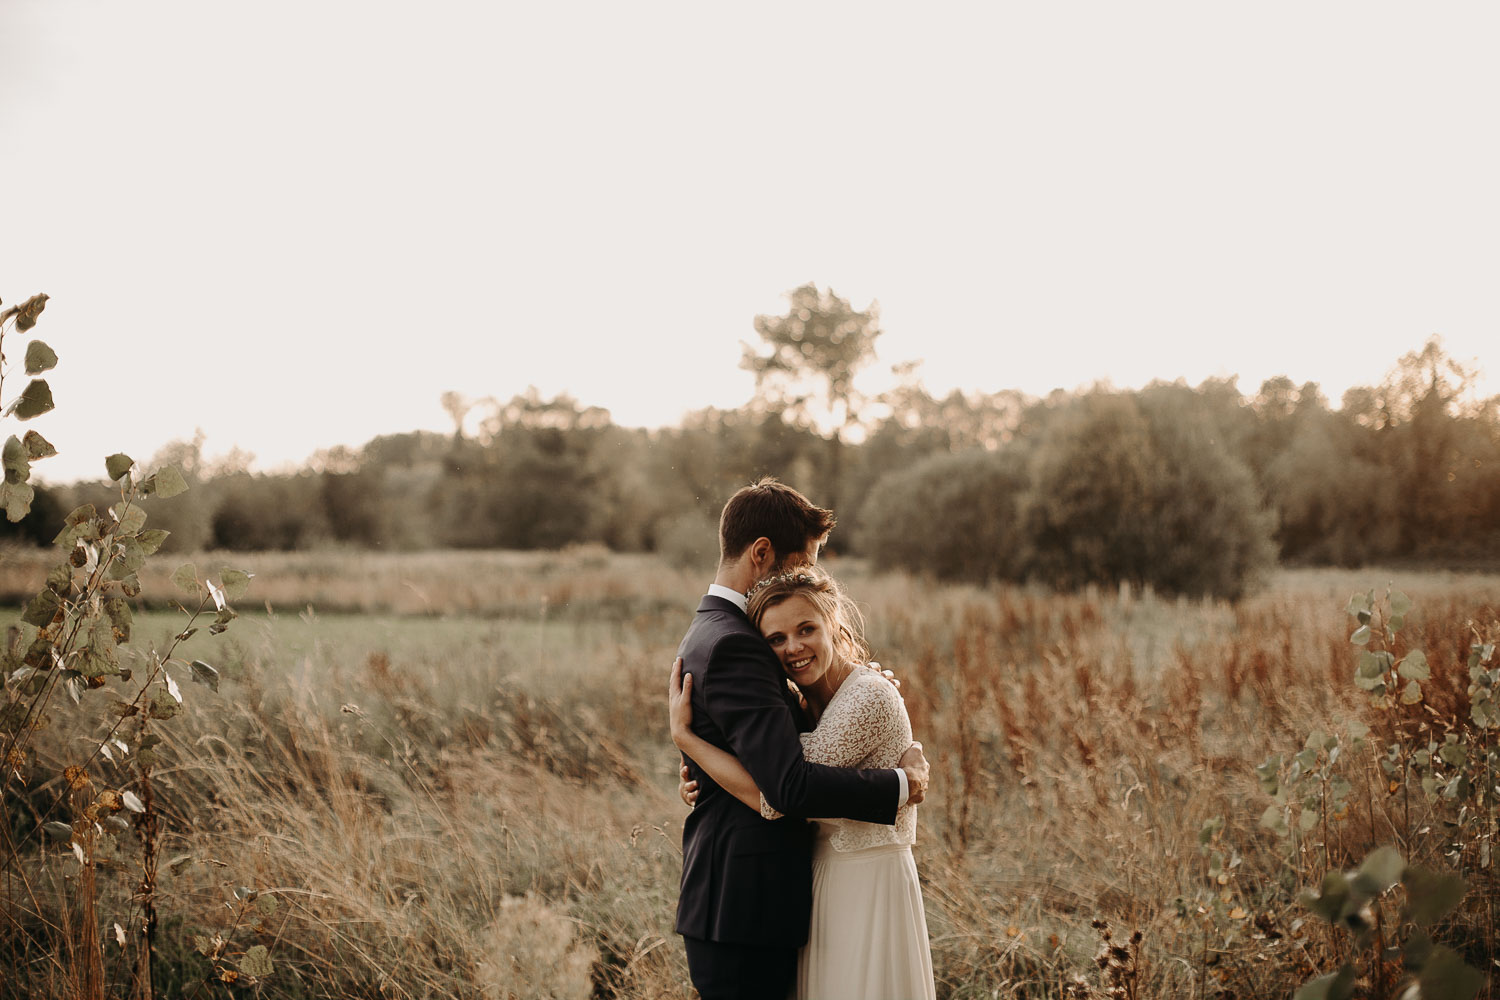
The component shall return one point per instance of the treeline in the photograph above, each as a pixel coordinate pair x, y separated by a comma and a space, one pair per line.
1190, 489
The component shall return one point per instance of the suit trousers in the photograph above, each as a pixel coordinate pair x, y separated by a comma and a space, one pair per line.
740, 971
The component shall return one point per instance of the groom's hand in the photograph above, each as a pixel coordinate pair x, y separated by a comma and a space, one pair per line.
887, 674
914, 763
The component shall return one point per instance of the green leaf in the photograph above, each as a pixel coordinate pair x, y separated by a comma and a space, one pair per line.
118, 465
130, 559
1332, 899
42, 609
1361, 635
1412, 693
1334, 986
1367, 664
37, 447
1415, 666
27, 312
236, 583
58, 831
1268, 772
118, 612
205, 674
60, 579
1445, 976
186, 578
1400, 603
257, 962
34, 400
16, 499
163, 705
169, 482
17, 464
151, 540
92, 662
39, 358
1482, 711
101, 649
1360, 602
1431, 895
81, 523
1381, 869
130, 516
1453, 754
1274, 819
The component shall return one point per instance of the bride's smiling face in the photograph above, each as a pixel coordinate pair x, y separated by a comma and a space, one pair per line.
799, 635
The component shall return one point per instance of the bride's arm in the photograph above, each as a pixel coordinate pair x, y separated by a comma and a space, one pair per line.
721, 765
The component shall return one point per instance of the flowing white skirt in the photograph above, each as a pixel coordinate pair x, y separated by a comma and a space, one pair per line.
868, 938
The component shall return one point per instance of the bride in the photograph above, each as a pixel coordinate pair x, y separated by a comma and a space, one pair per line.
868, 937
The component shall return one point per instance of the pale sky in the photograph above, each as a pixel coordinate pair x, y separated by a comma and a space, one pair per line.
296, 224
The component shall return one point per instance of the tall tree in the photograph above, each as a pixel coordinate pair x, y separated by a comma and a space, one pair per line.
809, 357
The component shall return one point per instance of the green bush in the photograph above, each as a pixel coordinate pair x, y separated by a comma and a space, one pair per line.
1139, 489
951, 516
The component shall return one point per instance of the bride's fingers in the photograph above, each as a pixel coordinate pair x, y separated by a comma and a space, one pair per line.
676, 682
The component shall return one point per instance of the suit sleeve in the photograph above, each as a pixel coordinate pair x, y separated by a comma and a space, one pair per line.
743, 696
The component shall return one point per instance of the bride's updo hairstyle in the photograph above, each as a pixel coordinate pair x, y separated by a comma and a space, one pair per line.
839, 612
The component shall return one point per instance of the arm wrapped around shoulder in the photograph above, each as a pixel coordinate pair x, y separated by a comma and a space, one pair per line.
744, 693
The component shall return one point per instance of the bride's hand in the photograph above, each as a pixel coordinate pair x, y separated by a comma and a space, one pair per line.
680, 703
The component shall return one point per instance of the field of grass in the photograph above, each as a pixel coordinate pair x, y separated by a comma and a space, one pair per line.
450, 774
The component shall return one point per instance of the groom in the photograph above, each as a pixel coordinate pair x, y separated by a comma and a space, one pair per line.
746, 892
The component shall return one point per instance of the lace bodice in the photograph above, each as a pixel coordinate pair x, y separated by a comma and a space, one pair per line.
864, 725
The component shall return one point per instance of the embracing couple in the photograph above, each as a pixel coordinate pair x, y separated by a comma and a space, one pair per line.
773, 906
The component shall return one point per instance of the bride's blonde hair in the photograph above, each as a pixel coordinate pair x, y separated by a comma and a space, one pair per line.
827, 596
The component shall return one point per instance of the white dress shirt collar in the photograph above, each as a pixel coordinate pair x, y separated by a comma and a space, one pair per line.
732, 596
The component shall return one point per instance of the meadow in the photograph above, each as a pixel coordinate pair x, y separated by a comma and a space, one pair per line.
448, 775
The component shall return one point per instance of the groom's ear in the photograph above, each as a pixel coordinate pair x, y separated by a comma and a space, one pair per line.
762, 556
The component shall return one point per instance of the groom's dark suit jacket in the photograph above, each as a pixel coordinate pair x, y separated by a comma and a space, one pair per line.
747, 880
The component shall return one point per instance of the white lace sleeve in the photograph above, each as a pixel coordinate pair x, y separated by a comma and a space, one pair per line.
864, 716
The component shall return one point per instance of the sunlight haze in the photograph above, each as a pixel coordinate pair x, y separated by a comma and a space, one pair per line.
295, 225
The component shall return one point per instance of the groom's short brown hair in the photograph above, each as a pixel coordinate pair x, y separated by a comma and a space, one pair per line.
770, 509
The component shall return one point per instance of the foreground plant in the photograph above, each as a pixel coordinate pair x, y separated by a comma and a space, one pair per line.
75, 636
1399, 954
1442, 769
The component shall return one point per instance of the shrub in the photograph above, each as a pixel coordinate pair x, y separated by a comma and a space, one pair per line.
953, 516
1122, 489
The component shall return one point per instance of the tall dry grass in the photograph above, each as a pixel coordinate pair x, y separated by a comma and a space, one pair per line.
484, 805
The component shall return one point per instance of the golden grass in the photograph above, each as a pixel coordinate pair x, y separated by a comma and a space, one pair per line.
483, 804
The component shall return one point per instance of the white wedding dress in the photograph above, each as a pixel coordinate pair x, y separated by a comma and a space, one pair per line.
868, 937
